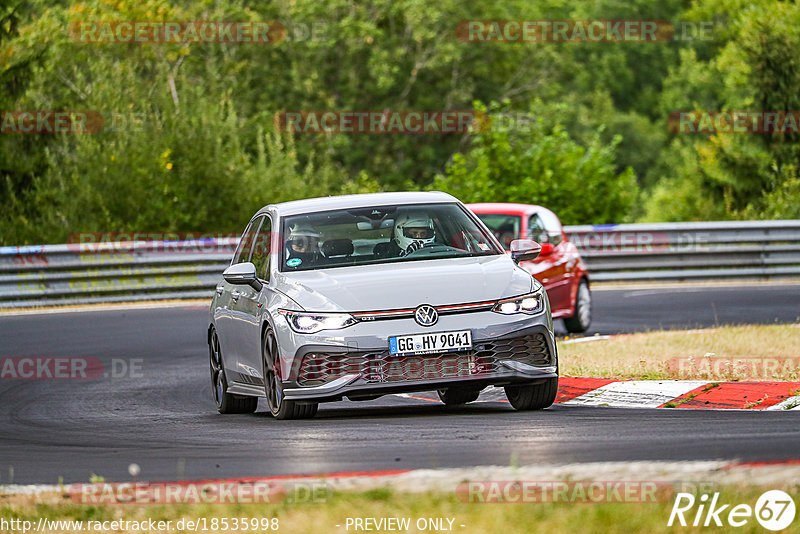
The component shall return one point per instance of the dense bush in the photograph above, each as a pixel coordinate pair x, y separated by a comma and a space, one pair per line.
538, 163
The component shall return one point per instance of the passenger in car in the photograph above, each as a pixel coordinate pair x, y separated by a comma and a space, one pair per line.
303, 245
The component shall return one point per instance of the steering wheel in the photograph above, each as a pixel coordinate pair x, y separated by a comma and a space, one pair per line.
428, 246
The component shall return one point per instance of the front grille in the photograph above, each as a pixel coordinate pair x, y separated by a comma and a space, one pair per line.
379, 367
531, 349
318, 368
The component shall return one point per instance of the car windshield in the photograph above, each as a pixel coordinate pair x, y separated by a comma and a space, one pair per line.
381, 235
505, 228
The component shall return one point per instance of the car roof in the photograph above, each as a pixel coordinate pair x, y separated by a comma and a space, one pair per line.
504, 208
366, 200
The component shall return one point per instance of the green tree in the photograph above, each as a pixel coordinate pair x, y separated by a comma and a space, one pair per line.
541, 164
173, 154
754, 66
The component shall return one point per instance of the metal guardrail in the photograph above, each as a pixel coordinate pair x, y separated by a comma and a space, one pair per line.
111, 272
147, 270
690, 251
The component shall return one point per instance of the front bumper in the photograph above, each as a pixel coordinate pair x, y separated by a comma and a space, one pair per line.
525, 353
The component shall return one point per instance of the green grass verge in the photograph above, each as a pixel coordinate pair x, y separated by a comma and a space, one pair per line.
728, 353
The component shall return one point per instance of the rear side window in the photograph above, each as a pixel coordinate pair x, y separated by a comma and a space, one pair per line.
242, 253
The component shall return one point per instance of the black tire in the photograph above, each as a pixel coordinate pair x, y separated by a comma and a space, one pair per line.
226, 403
582, 318
533, 397
279, 407
458, 396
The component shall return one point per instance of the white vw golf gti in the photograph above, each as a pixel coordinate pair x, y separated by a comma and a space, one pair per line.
364, 295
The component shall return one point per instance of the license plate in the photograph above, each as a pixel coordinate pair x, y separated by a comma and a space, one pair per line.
430, 343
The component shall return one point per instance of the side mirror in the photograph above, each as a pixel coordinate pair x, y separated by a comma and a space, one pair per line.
524, 250
547, 249
242, 274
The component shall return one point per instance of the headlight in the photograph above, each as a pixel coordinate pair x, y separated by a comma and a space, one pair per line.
530, 304
311, 322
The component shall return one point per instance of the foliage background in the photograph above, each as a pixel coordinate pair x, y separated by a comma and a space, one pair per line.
194, 147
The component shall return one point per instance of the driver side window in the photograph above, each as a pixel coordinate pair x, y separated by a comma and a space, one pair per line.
262, 248
242, 253
544, 228
536, 230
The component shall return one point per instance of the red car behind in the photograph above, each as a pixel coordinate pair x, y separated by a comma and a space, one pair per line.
559, 266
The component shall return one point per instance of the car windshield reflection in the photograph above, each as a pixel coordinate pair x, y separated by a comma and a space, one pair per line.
385, 234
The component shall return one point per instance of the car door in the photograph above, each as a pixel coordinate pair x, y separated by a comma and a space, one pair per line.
252, 305
230, 318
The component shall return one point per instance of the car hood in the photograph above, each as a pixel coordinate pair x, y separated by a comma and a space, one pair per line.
406, 284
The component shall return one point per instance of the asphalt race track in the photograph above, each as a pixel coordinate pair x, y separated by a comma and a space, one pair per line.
162, 417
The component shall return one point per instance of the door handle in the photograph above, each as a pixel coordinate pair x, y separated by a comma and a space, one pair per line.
235, 295
220, 290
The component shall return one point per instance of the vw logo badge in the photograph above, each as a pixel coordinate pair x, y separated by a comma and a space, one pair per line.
426, 315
